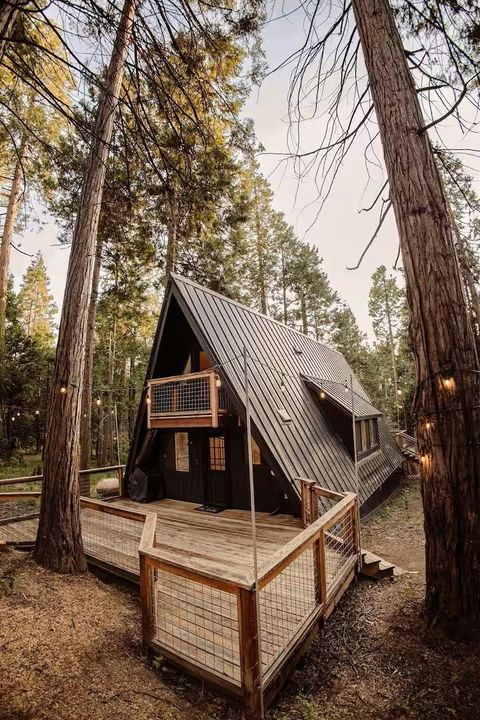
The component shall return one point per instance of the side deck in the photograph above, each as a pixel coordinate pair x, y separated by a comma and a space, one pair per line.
198, 593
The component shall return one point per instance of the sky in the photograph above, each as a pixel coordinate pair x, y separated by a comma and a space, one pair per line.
340, 232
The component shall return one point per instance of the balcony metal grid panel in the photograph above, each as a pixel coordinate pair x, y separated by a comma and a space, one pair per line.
181, 397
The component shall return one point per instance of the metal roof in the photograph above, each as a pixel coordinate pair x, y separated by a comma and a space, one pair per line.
279, 360
340, 394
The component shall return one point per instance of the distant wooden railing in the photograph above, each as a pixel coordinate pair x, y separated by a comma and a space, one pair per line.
17, 505
407, 442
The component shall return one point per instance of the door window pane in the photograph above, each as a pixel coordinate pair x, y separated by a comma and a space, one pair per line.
217, 453
182, 460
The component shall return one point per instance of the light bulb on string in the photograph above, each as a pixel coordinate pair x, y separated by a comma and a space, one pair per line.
218, 382
98, 402
322, 394
282, 383
346, 387
37, 412
63, 389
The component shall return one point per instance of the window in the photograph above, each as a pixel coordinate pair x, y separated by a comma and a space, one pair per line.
366, 432
204, 362
217, 453
256, 456
182, 459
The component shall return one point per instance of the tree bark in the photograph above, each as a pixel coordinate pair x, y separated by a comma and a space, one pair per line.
448, 394
392, 348
86, 421
7, 236
59, 542
9, 13
172, 231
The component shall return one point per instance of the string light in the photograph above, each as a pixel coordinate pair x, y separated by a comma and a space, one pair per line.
282, 383
63, 389
98, 402
218, 382
346, 386
37, 412
428, 425
448, 383
399, 392
322, 394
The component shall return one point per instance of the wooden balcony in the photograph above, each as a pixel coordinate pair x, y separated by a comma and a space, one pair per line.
186, 401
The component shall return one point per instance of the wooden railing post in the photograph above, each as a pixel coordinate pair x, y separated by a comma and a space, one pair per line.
308, 500
321, 559
146, 600
250, 662
214, 399
356, 528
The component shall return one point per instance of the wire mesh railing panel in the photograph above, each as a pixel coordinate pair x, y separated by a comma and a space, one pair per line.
180, 396
111, 539
197, 622
19, 508
286, 603
339, 549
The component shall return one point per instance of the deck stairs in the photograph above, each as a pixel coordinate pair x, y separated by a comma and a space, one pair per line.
375, 567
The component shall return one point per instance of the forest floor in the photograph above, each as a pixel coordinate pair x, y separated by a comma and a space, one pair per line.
70, 649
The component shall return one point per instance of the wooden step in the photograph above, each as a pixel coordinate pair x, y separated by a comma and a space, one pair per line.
375, 567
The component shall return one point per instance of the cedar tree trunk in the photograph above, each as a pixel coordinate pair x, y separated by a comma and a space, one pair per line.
442, 339
86, 421
7, 237
59, 541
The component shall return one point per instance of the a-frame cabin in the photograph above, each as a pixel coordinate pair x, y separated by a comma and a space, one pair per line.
190, 442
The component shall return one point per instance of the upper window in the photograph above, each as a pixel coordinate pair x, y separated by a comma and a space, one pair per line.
217, 453
182, 459
366, 432
256, 456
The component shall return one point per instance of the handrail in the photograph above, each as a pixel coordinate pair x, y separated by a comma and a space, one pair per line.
39, 478
296, 545
179, 378
319, 490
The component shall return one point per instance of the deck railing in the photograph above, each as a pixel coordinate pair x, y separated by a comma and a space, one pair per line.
197, 398
20, 501
205, 619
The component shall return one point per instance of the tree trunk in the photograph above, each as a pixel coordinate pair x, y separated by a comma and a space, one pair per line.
448, 387
59, 541
284, 286
172, 231
9, 13
7, 236
303, 311
392, 349
86, 421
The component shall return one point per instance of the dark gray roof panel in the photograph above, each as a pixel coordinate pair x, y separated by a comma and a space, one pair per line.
307, 447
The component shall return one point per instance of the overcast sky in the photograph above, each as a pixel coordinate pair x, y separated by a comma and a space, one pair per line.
340, 232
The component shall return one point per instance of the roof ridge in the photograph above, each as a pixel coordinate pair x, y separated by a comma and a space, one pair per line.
180, 278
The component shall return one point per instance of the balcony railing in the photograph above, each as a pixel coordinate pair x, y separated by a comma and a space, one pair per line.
195, 400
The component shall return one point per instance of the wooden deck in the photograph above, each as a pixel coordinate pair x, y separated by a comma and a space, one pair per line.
197, 588
220, 541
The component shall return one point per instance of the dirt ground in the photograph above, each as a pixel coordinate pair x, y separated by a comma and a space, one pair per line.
70, 649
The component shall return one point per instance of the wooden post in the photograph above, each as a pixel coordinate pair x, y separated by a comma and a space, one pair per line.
214, 399
356, 529
307, 501
121, 489
146, 601
250, 664
320, 555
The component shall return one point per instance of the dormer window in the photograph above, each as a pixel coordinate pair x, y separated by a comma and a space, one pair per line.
367, 438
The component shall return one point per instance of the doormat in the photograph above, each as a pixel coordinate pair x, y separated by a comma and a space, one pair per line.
214, 509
